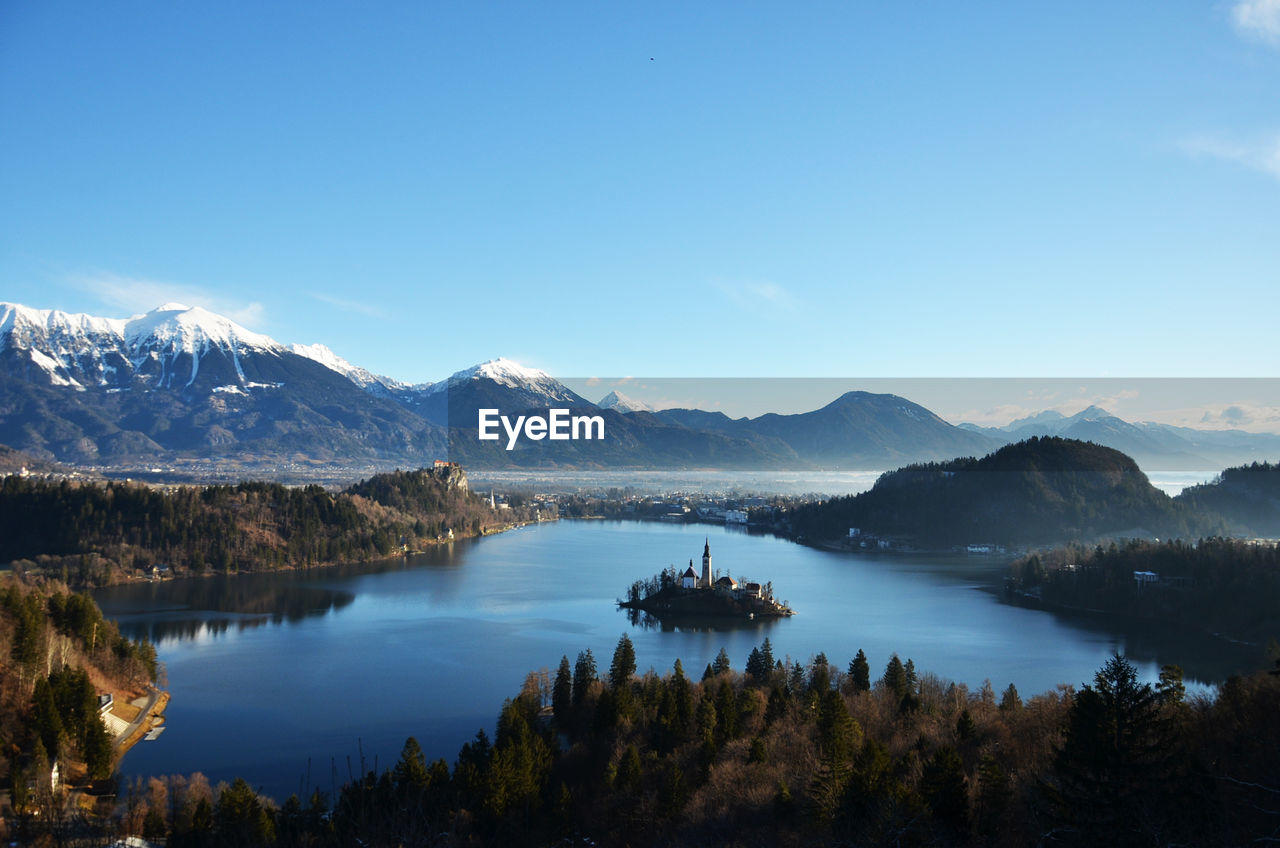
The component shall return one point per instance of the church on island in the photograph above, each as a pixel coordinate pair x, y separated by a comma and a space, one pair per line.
691, 593
691, 580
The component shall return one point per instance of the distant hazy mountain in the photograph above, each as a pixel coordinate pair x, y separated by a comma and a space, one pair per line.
856, 430
632, 440
635, 439
621, 403
1154, 446
1039, 491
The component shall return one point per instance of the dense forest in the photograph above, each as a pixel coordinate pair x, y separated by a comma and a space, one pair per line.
788, 754
1247, 495
1040, 491
1218, 585
57, 653
95, 533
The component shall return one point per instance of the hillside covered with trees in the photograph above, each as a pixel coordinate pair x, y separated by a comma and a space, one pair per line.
1216, 585
57, 654
96, 533
1040, 491
1248, 496
791, 754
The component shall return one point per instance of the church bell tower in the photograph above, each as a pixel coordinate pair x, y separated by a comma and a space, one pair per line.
706, 564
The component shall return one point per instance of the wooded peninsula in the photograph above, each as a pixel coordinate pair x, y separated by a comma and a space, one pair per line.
93, 534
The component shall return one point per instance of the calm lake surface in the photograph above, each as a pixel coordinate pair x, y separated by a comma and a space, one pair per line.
284, 679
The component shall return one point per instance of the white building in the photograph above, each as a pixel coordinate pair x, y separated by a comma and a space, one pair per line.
689, 580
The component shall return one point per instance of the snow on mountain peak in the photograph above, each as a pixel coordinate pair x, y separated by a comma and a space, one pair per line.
22, 321
362, 377
621, 403
70, 348
512, 375
508, 372
80, 350
192, 329
1091, 413
326, 357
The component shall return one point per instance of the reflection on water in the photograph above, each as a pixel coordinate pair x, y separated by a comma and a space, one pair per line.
203, 607
688, 623
1205, 660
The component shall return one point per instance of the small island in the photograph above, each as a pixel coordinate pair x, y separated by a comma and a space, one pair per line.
693, 594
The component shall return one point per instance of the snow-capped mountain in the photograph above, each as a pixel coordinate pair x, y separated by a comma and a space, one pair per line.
512, 375
183, 381
622, 403
61, 349
497, 384
164, 348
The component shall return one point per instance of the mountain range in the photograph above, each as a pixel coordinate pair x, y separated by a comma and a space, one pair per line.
1154, 446
180, 383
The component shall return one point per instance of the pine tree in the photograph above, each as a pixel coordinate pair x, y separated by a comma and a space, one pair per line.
410, 772
766, 656
1009, 701
943, 785
46, 719
584, 674
628, 776
819, 674
993, 795
860, 672
755, 666
673, 793
97, 749
624, 663
895, 678
1115, 779
1171, 689
562, 692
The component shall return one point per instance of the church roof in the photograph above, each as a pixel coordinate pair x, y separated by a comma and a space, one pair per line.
689, 572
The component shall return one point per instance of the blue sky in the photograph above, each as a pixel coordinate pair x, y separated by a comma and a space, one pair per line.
683, 189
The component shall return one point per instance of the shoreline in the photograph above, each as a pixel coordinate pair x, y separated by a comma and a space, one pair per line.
1031, 602
192, 575
149, 717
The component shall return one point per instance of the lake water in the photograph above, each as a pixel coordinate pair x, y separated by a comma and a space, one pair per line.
285, 679
801, 482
